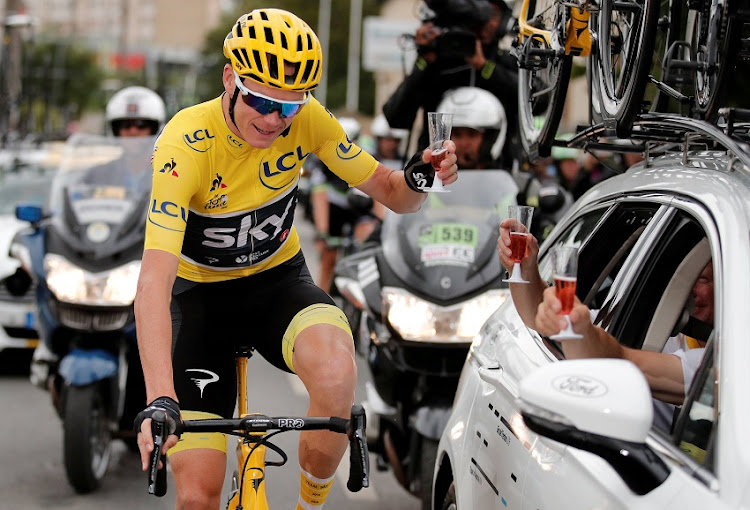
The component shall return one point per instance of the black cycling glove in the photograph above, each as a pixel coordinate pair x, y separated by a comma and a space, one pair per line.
169, 406
418, 174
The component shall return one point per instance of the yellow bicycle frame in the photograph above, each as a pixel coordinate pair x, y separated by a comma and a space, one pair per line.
578, 40
253, 476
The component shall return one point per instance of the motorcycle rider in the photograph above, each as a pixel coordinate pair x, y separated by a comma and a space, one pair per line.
479, 132
135, 111
132, 111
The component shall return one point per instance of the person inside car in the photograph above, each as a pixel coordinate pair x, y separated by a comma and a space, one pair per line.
669, 373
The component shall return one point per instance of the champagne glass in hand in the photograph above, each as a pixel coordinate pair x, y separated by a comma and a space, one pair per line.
565, 267
519, 231
439, 125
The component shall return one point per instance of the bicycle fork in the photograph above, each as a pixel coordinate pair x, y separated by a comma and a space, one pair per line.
578, 39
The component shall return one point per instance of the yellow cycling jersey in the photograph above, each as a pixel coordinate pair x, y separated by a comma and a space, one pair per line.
225, 208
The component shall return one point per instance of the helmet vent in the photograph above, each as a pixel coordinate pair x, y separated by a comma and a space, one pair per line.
239, 29
238, 55
269, 34
307, 71
264, 15
309, 42
258, 60
251, 32
245, 57
273, 66
284, 42
290, 78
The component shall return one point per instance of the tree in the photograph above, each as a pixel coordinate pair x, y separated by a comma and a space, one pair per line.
59, 82
213, 59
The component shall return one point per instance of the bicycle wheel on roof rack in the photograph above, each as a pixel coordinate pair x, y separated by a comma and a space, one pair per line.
543, 82
715, 39
620, 63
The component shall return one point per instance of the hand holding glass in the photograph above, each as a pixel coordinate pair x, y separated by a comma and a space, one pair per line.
439, 126
565, 267
519, 235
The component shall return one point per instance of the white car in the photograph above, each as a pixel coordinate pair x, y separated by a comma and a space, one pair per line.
29, 184
641, 236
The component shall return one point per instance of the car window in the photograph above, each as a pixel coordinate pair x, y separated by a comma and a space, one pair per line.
632, 316
695, 431
574, 234
602, 254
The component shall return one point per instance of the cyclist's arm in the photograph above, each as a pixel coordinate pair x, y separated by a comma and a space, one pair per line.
389, 188
153, 321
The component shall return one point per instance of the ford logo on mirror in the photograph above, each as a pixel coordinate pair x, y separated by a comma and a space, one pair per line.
579, 386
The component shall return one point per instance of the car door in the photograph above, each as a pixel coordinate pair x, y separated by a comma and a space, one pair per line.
496, 453
638, 307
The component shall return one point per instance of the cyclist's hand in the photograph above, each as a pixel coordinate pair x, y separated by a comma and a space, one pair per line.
142, 425
503, 248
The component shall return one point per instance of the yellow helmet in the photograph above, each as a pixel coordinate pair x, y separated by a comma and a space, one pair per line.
264, 41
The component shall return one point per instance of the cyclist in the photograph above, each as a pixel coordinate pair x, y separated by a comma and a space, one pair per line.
135, 111
336, 214
222, 256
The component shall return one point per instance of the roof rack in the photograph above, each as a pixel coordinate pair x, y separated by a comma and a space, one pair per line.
654, 134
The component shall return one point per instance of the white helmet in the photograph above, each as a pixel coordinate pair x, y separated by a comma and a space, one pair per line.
478, 109
381, 129
136, 103
351, 127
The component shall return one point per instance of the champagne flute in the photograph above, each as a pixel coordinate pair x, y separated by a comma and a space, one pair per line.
565, 270
439, 125
519, 235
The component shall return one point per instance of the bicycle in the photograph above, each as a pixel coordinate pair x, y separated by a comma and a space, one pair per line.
703, 41
248, 491
617, 37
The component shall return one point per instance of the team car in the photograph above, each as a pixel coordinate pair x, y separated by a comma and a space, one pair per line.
531, 430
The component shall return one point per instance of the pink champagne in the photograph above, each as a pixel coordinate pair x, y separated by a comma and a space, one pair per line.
565, 289
518, 242
438, 155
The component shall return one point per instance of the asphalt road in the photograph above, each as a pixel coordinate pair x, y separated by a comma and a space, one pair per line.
32, 475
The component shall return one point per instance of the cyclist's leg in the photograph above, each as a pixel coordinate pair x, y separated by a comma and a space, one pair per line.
318, 346
205, 381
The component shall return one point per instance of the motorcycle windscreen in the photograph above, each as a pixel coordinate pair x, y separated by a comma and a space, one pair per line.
100, 193
448, 248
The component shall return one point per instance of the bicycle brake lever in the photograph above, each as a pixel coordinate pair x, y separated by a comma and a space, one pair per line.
359, 458
157, 478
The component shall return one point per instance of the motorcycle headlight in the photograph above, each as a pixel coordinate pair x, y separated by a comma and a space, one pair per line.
418, 320
71, 284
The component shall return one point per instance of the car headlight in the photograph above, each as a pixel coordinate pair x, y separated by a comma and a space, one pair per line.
419, 320
71, 284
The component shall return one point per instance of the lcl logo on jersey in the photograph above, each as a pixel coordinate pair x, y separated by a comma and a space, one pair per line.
199, 140
279, 174
169, 208
234, 141
347, 150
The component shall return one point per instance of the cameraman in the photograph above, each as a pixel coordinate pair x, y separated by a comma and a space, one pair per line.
458, 47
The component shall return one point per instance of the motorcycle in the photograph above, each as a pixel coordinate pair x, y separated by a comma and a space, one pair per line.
85, 254
423, 295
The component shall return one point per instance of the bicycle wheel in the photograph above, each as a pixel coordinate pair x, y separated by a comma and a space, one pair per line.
626, 30
714, 36
542, 90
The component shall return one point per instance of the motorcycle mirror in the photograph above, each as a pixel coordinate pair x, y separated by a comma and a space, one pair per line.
29, 212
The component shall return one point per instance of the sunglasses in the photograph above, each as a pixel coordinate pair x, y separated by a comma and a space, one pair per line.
265, 105
129, 123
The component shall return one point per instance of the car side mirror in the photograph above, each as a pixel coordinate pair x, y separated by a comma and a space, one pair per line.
602, 406
29, 212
